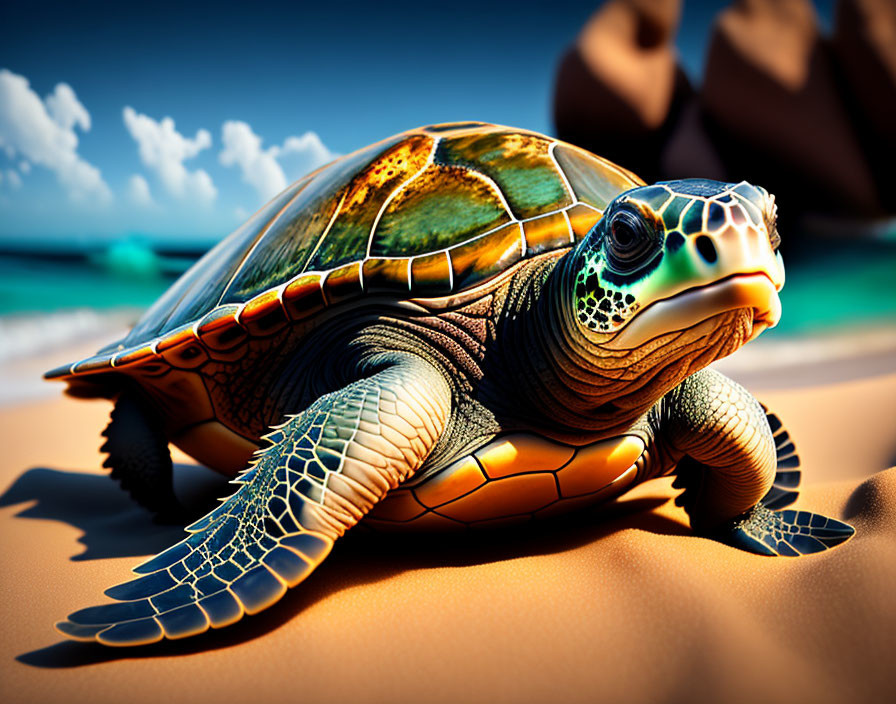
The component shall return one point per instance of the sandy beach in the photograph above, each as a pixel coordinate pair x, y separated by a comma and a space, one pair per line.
624, 605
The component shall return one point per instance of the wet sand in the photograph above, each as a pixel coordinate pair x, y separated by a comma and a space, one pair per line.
623, 606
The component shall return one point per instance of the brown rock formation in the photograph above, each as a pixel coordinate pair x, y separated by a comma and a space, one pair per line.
771, 96
864, 45
688, 151
620, 90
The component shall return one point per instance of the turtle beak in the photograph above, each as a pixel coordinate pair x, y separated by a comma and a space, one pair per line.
754, 291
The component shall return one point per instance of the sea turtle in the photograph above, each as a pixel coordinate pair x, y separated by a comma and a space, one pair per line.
464, 324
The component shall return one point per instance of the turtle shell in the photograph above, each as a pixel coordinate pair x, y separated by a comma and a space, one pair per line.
427, 213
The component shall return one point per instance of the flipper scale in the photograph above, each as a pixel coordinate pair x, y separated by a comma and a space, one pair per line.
288, 565
78, 631
164, 559
188, 620
222, 608
258, 589
142, 587
212, 577
141, 632
112, 613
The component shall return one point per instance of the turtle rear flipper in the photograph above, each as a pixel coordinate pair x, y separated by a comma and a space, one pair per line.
139, 457
789, 533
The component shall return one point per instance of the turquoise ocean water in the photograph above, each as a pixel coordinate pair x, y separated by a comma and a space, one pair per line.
838, 284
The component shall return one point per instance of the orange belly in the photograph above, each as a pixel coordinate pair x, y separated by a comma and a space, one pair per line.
512, 478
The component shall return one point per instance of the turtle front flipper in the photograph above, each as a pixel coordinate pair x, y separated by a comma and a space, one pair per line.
766, 529
737, 466
139, 457
323, 470
785, 485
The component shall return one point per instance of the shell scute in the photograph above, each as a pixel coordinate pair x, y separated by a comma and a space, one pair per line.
263, 315
546, 233
303, 297
343, 284
463, 477
476, 260
446, 205
188, 355
431, 275
594, 181
135, 355
366, 195
582, 218
520, 164
219, 329
176, 337
181, 348
99, 362
509, 496
200, 288
386, 275
299, 235
398, 506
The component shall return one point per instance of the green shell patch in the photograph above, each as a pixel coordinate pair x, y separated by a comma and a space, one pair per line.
521, 165
368, 192
299, 232
444, 206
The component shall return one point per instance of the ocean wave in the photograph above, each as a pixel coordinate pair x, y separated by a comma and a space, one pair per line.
27, 335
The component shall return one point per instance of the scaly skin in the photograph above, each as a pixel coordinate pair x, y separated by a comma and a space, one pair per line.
719, 424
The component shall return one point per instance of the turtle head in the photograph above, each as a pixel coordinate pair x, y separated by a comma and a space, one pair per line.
675, 255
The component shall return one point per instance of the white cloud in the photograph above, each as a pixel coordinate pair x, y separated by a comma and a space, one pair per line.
138, 191
301, 155
13, 179
43, 133
259, 166
263, 169
65, 108
163, 149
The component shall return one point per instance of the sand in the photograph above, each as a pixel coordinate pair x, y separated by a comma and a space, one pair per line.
624, 606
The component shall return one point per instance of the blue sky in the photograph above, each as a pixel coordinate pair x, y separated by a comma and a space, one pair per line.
307, 81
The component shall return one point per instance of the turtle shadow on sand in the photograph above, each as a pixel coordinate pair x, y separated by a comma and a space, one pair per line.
114, 527
112, 524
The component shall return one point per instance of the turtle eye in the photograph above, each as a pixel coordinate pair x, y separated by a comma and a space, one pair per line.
630, 241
